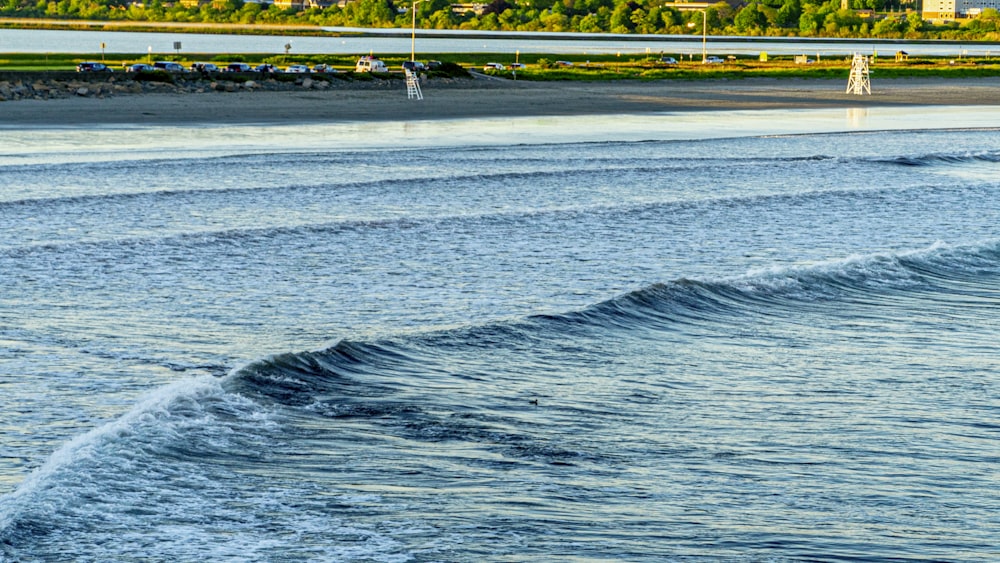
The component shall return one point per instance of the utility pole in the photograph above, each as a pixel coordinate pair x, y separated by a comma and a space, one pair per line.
413, 31
704, 36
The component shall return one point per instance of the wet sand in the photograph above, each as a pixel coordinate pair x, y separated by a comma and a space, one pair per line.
491, 98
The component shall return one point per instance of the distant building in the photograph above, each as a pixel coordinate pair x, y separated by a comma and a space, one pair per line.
698, 6
864, 13
972, 8
219, 4
947, 10
939, 10
477, 8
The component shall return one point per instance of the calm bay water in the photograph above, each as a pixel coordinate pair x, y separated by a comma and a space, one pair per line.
749, 336
438, 41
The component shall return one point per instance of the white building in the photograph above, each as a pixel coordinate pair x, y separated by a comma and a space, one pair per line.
947, 10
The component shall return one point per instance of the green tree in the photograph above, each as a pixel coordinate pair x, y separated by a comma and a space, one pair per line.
621, 19
590, 24
841, 20
750, 18
889, 27
809, 21
443, 19
488, 22
788, 14
248, 12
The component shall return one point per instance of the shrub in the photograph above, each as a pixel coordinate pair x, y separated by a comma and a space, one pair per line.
450, 70
154, 76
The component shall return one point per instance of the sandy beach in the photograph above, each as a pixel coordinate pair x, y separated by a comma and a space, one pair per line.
489, 98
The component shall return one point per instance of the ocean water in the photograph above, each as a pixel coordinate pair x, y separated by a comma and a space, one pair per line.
359, 41
729, 336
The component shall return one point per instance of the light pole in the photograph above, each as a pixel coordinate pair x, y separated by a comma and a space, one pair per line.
413, 31
704, 36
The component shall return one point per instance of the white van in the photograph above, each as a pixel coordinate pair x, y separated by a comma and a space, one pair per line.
370, 64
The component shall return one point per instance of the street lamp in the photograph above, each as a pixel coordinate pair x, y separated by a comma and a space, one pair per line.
704, 36
413, 31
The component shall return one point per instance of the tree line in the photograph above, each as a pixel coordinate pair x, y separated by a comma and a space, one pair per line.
774, 18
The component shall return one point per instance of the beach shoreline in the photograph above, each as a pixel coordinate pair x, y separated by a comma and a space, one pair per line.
485, 98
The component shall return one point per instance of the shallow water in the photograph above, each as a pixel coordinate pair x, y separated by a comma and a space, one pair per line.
357, 41
736, 336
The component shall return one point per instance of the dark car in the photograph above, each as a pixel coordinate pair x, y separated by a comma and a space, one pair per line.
237, 67
267, 69
92, 67
169, 66
413, 66
204, 67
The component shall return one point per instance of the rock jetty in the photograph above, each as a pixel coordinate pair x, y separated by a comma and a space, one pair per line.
54, 85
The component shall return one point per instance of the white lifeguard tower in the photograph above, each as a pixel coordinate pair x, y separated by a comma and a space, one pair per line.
413, 86
859, 82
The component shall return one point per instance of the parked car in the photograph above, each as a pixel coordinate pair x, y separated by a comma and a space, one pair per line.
298, 69
204, 67
564, 63
92, 67
433, 65
413, 66
370, 64
169, 66
267, 68
517, 66
237, 67
493, 66
665, 60
714, 60
321, 68
139, 67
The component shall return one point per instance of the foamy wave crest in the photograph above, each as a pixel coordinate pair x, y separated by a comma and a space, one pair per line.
937, 159
113, 464
876, 276
367, 378
877, 273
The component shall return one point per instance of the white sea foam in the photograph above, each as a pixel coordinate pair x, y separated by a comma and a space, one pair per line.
879, 269
153, 409
65, 145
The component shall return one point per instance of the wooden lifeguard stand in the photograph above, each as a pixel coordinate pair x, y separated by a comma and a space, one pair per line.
413, 86
859, 82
